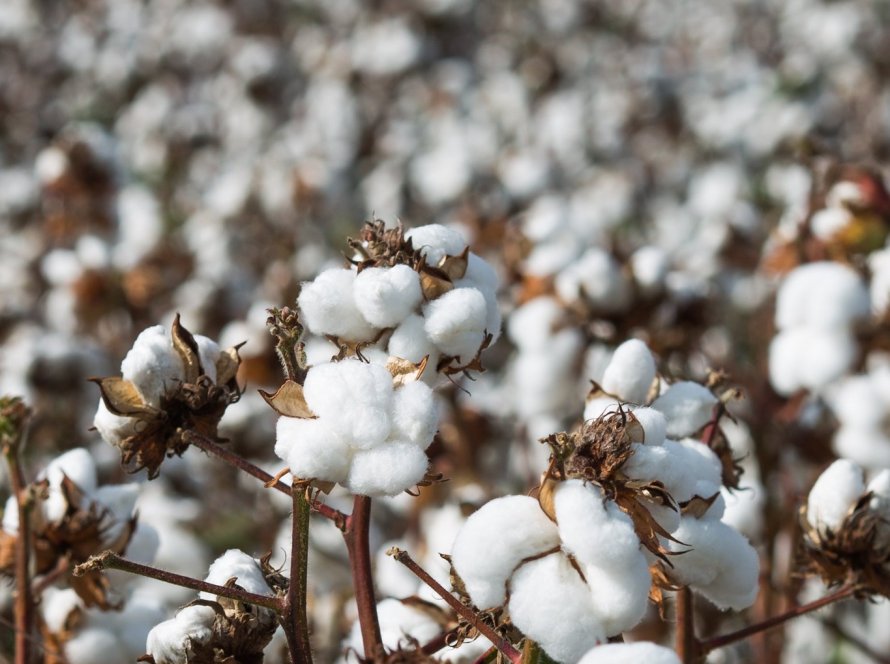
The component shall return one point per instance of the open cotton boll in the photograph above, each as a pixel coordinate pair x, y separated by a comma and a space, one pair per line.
551, 604
411, 342
823, 295
494, 540
687, 406
208, 353
386, 296
236, 563
630, 653
597, 277
399, 623
77, 465
594, 531
531, 325
435, 241
649, 266
653, 423
387, 469
415, 414
171, 642
481, 273
327, 306
152, 365
114, 428
834, 493
596, 407
311, 449
56, 605
456, 322
630, 372
677, 465
620, 597
96, 645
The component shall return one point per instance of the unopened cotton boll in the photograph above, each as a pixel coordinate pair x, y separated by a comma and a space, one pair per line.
494, 540
386, 296
387, 469
152, 365
415, 414
172, 641
630, 372
630, 653
456, 322
435, 241
551, 604
328, 306
311, 449
687, 406
834, 493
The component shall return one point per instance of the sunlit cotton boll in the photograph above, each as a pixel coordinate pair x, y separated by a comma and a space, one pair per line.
312, 450
152, 364
386, 296
630, 653
456, 322
630, 372
435, 241
328, 306
687, 406
244, 568
834, 493
822, 295
386, 469
173, 641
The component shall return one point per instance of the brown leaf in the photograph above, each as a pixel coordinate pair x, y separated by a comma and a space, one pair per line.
434, 283
697, 505
455, 267
187, 348
288, 400
122, 398
546, 496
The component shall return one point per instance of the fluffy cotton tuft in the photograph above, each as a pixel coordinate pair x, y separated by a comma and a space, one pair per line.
551, 604
456, 322
436, 241
152, 365
834, 493
630, 372
328, 306
630, 653
653, 423
415, 414
680, 465
171, 642
687, 406
236, 563
387, 469
494, 540
822, 295
312, 450
386, 296
411, 342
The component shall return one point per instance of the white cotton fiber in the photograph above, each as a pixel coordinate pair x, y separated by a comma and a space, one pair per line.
399, 623
456, 322
114, 428
823, 295
677, 465
415, 414
170, 641
387, 469
596, 407
834, 493
494, 540
208, 354
653, 423
551, 604
630, 372
95, 645
630, 653
531, 325
56, 605
77, 465
311, 449
386, 296
236, 563
327, 306
411, 342
620, 597
436, 241
597, 277
649, 265
152, 365
481, 273
687, 406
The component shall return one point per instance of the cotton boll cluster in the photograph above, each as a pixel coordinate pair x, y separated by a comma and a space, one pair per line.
366, 433
816, 308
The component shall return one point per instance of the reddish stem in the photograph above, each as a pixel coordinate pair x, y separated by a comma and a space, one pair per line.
24, 600
771, 623
500, 642
358, 525
686, 644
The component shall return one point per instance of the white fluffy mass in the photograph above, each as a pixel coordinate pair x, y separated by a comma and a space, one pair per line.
386, 296
173, 641
834, 494
457, 321
630, 372
630, 653
328, 306
367, 435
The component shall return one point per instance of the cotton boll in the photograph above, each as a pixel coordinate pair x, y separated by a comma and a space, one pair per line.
653, 423
77, 465
386, 296
868, 447
436, 241
456, 322
551, 604
620, 597
687, 406
824, 295
387, 469
786, 355
597, 277
95, 645
649, 266
113, 428
596, 407
152, 365
311, 449
208, 353
399, 623
828, 356
170, 642
532, 325
415, 414
494, 540
481, 274
120, 500
678, 465
630, 372
630, 653
143, 544
236, 563
328, 306
410, 341
56, 605
834, 493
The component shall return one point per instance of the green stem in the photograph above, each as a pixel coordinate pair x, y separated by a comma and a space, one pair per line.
294, 620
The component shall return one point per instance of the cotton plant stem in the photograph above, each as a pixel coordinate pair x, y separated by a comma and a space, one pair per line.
770, 623
294, 619
358, 546
500, 642
687, 645
24, 600
204, 443
110, 560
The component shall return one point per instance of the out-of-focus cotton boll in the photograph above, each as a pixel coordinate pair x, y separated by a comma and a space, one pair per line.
328, 306
456, 322
152, 365
385, 47
386, 296
171, 642
96, 646
834, 494
879, 286
687, 406
809, 358
531, 325
630, 372
630, 653
821, 295
596, 277
650, 266
494, 540
435, 242
386, 469
551, 604
237, 564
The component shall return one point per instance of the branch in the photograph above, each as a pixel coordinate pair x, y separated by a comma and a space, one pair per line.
686, 644
110, 560
294, 620
463, 611
771, 623
358, 546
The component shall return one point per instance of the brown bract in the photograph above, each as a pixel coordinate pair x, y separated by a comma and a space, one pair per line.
196, 404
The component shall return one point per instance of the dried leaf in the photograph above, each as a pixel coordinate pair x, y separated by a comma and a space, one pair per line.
122, 398
288, 400
227, 365
546, 496
404, 371
455, 267
187, 348
434, 283
697, 505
